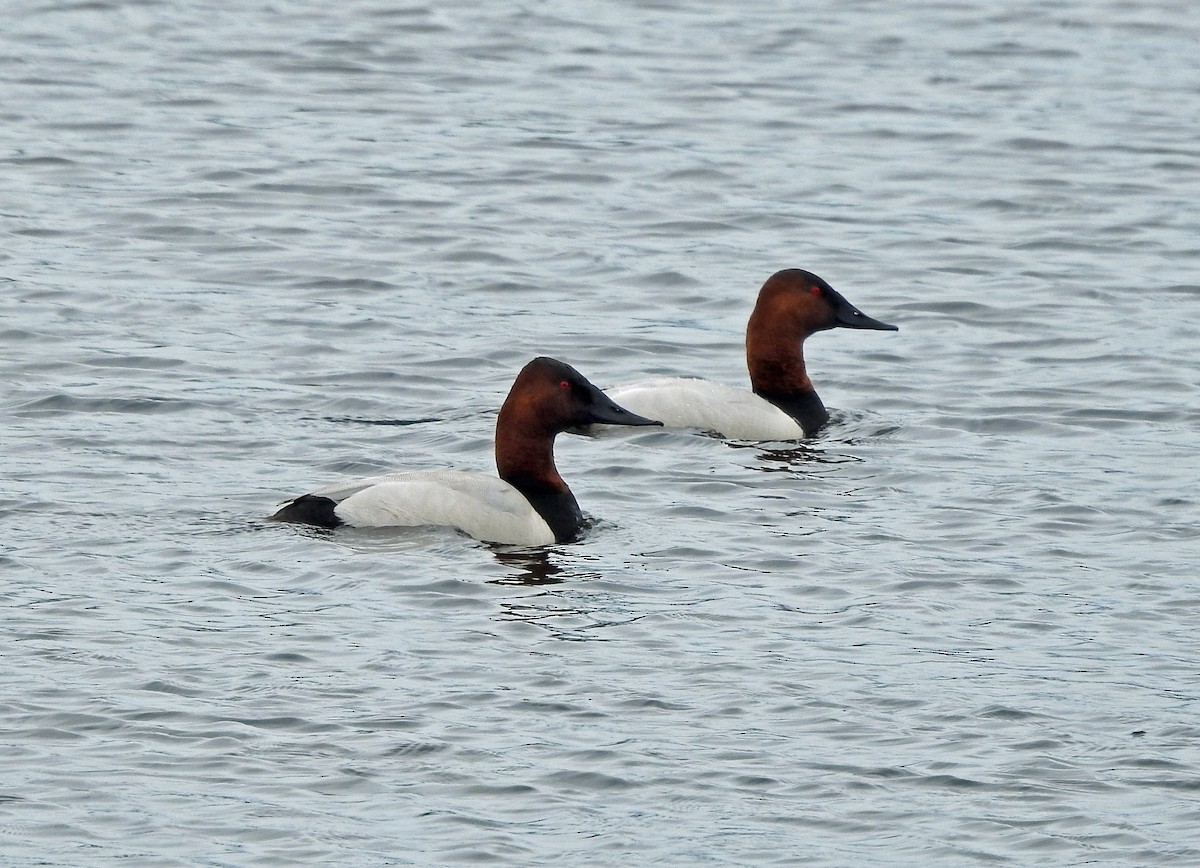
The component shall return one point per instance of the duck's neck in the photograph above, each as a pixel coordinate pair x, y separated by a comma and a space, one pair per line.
805, 407
778, 375
525, 460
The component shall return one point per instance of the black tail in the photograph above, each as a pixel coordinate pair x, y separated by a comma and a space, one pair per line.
310, 509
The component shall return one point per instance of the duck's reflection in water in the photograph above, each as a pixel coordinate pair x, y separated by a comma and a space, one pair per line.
775, 458
530, 566
845, 430
572, 611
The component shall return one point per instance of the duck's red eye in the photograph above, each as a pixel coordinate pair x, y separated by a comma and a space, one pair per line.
816, 290
564, 385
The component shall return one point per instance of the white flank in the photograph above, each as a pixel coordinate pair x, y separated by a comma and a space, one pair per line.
485, 507
737, 414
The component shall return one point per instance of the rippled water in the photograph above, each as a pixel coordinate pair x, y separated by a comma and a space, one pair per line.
251, 249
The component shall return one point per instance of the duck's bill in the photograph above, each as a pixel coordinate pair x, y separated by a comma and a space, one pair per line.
606, 411
850, 317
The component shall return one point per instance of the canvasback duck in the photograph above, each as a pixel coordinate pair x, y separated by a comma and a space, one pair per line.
783, 405
527, 504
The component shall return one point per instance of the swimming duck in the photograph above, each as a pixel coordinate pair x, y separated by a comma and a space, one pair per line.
527, 504
783, 405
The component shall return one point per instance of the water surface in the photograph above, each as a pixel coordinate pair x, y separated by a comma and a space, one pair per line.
248, 252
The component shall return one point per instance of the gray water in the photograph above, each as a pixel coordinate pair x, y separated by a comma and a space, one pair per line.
249, 249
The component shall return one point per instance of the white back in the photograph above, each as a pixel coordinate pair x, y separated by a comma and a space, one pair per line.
735, 413
485, 507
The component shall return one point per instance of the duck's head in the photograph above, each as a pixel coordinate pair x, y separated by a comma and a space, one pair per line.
559, 398
801, 303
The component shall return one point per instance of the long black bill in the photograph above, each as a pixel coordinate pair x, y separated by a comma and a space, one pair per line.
607, 411
848, 316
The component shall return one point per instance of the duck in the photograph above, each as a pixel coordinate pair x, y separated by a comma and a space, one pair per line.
527, 504
782, 403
